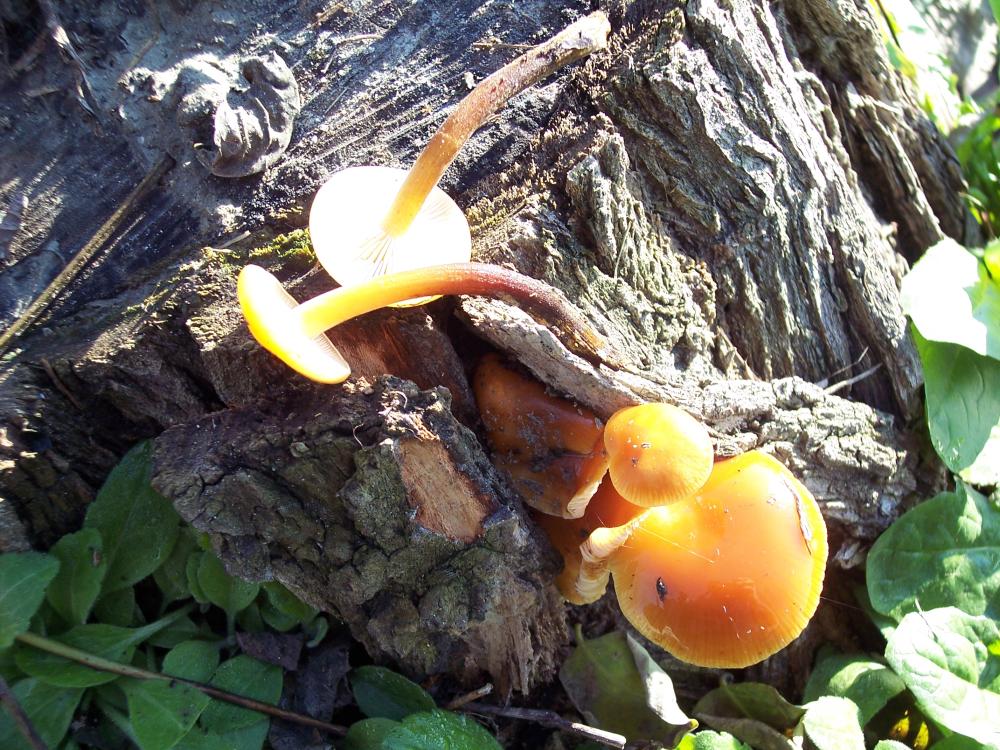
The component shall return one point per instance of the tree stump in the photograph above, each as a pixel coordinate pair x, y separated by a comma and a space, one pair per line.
731, 192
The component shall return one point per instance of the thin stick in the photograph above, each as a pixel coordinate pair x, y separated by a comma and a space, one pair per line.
78, 261
127, 670
552, 720
57, 382
16, 711
476, 694
851, 381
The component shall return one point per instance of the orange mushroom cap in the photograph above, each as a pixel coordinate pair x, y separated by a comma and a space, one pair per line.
730, 576
657, 453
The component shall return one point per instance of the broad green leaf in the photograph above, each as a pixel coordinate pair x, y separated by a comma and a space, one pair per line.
106, 641
951, 298
246, 738
831, 723
604, 680
751, 700
192, 660
223, 590
963, 409
944, 657
82, 566
162, 712
283, 610
50, 710
138, 525
870, 684
944, 552
246, 677
184, 629
709, 740
439, 730
171, 577
381, 693
191, 569
24, 577
368, 734
891, 745
117, 607
753, 732
955, 742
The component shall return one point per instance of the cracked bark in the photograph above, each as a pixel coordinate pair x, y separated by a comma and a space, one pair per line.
731, 192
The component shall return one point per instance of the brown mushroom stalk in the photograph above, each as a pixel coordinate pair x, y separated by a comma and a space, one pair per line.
369, 221
295, 332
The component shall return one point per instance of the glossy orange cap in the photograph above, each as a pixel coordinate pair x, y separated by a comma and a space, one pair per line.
657, 453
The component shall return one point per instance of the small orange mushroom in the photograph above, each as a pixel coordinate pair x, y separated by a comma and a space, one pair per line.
295, 332
657, 453
552, 449
727, 577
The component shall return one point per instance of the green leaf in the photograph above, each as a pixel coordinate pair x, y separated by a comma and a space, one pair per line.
246, 677
24, 577
368, 734
381, 693
162, 712
944, 552
282, 610
171, 577
963, 409
955, 742
614, 683
184, 629
246, 738
82, 566
950, 298
753, 732
869, 684
709, 740
191, 573
943, 656
223, 590
138, 525
439, 730
50, 710
831, 723
891, 745
106, 641
192, 660
751, 700
117, 608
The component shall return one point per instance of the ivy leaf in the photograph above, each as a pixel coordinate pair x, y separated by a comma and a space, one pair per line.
437, 729
832, 723
246, 677
162, 712
963, 409
24, 577
944, 552
951, 298
614, 683
223, 590
946, 659
49, 709
869, 684
138, 525
381, 693
82, 566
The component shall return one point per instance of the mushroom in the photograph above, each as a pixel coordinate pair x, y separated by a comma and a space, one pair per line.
295, 333
552, 449
725, 578
657, 453
369, 221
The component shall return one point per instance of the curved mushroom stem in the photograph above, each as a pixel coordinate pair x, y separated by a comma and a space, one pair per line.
573, 43
476, 279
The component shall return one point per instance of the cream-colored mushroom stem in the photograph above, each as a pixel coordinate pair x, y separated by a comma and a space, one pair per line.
474, 279
576, 41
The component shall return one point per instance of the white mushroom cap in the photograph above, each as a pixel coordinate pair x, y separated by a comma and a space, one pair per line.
347, 221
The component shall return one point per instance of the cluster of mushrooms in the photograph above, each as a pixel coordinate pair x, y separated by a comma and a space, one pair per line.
720, 563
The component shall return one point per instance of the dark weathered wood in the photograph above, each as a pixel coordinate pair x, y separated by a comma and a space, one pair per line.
730, 192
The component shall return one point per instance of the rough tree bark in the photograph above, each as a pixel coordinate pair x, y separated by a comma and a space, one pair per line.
731, 192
